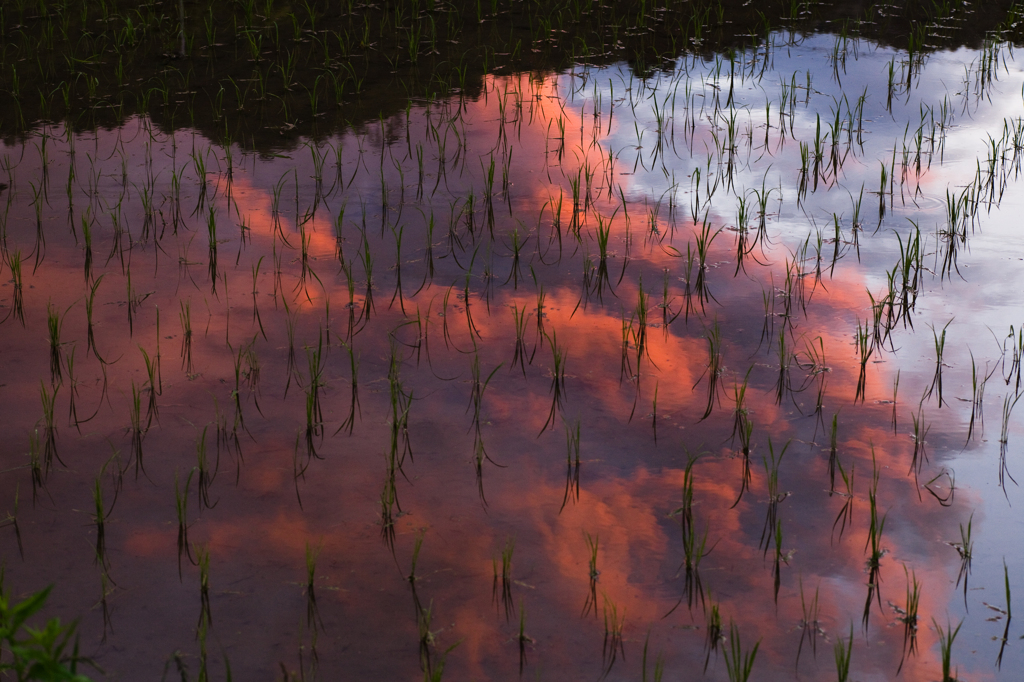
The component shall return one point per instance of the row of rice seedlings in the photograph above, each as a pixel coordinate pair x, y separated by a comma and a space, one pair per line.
287, 63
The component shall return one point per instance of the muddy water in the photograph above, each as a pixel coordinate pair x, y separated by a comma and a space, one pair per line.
646, 349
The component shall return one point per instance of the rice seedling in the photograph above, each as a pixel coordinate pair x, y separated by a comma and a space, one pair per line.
388, 505
864, 351
313, 619
203, 561
1009, 616
978, 383
810, 627
17, 295
90, 302
704, 240
54, 323
522, 638
49, 427
873, 545
713, 336
205, 475
613, 645
151, 387
572, 458
476, 397
714, 636
771, 470
185, 317
640, 314
350, 421
965, 548
401, 402
519, 354
314, 412
778, 559
87, 239
908, 616
946, 638
135, 298
1004, 439
1015, 340
695, 548
739, 663
12, 520
105, 591
940, 345
100, 516
505, 587
181, 509
659, 664
783, 382
895, 399
211, 233
558, 359
426, 641
843, 652
592, 575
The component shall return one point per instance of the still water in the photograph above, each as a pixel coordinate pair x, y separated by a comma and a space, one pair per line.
553, 381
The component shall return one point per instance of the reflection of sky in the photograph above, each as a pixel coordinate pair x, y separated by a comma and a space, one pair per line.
629, 483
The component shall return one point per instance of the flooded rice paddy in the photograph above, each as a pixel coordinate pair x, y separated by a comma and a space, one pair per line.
582, 375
